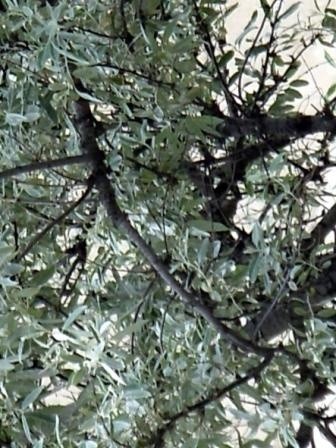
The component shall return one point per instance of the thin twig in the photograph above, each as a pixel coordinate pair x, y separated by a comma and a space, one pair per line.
53, 223
48, 164
158, 438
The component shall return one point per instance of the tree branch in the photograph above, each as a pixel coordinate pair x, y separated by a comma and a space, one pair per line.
48, 164
158, 438
53, 223
297, 126
327, 223
311, 296
85, 126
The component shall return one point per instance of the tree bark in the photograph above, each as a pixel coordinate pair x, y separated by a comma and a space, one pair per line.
264, 126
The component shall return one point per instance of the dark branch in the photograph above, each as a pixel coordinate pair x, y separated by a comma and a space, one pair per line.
48, 164
264, 126
158, 438
86, 129
317, 236
53, 223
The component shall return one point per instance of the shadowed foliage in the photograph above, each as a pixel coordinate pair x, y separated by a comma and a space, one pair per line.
167, 253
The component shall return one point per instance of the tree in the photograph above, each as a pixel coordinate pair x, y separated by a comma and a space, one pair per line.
167, 271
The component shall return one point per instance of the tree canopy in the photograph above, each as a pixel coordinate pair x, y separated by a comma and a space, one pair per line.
167, 259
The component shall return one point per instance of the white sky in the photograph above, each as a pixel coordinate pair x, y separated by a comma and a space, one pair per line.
322, 75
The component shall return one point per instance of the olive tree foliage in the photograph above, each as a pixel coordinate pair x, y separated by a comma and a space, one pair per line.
166, 276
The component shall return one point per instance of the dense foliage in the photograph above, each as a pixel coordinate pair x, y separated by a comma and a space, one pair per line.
166, 265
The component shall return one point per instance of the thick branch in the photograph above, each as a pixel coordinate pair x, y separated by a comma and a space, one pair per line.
298, 126
84, 121
221, 200
328, 434
304, 435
